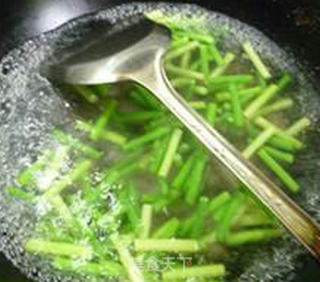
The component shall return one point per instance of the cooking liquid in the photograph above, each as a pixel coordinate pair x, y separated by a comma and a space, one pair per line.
31, 107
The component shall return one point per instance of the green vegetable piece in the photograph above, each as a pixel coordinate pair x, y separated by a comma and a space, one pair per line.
26, 177
195, 222
279, 155
157, 154
260, 101
190, 90
149, 137
125, 162
228, 218
178, 160
279, 171
180, 50
205, 62
77, 144
280, 105
20, 194
236, 106
164, 186
137, 117
299, 126
227, 79
252, 236
184, 73
256, 60
166, 245
205, 271
219, 214
195, 66
103, 120
262, 82
182, 175
254, 220
204, 38
87, 93
258, 142
208, 240
132, 269
118, 175
177, 42
167, 230
285, 143
146, 221
198, 222
158, 200
171, 151
220, 70
284, 81
151, 101
60, 206
195, 180
101, 268
129, 201
39, 246
114, 137
102, 89
211, 113
218, 201
216, 55
138, 99
185, 82
198, 105
108, 135
133, 194
185, 60
78, 172
184, 148
267, 95
264, 123
245, 94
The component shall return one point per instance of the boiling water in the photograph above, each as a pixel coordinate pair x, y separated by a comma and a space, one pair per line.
30, 107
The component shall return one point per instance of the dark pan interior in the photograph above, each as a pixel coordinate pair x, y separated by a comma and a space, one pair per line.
289, 23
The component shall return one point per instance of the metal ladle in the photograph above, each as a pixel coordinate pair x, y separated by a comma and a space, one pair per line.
136, 54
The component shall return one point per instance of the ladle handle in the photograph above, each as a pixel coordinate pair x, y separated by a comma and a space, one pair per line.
297, 221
